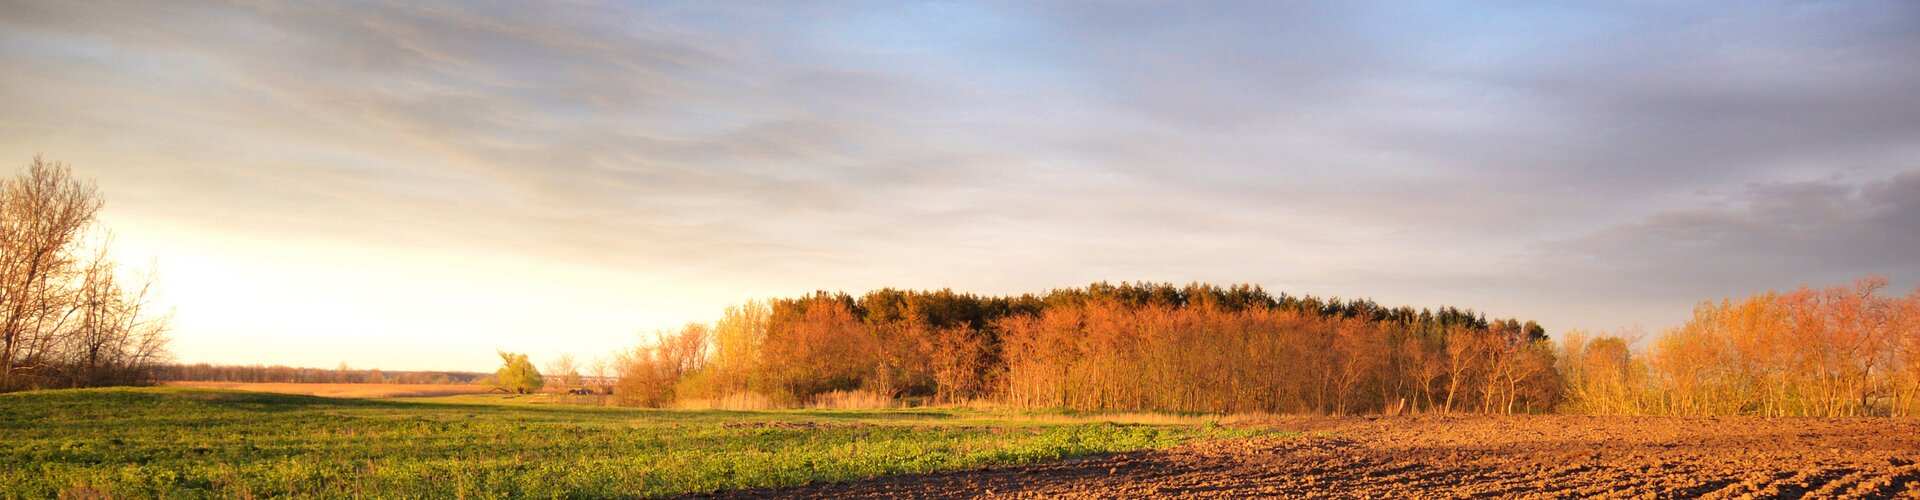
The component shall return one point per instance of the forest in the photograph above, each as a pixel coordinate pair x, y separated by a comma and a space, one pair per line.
1131, 346
1838, 351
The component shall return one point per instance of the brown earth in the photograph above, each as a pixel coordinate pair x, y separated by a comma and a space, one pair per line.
343, 390
1467, 456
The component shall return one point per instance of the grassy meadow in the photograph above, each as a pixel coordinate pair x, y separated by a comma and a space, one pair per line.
190, 443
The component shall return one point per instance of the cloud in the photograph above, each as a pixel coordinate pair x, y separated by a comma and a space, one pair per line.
1762, 236
1553, 105
1589, 165
1772, 235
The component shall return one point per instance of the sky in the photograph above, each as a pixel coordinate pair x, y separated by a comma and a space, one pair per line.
416, 186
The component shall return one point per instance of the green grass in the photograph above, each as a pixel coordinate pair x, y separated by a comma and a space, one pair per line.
194, 443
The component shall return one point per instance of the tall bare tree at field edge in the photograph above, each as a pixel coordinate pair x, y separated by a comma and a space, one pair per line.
66, 320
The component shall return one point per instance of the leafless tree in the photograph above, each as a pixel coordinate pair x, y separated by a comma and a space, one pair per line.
601, 370
566, 370
66, 319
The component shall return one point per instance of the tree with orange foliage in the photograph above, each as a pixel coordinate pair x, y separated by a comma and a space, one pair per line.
814, 346
1904, 373
1838, 351
1464, 350
1601, 375
1114, 347
650, 372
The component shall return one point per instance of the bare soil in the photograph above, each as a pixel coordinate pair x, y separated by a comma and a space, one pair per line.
1467, 456
343, 390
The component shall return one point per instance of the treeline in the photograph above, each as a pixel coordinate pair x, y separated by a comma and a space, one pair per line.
68, 318
205, 372
1134, 346
1837, 351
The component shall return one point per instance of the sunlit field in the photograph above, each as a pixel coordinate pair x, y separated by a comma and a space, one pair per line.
184, 442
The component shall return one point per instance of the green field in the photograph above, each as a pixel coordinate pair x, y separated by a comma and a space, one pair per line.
190, 443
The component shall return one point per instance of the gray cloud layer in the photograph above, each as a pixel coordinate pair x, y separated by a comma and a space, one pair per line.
1591, 165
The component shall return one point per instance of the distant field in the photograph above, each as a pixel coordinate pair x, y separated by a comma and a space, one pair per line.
180, 442
343, 390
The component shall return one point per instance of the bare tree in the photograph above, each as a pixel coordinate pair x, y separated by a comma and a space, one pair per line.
567, 370
65, 317
1463, 356
601, 370
111, 339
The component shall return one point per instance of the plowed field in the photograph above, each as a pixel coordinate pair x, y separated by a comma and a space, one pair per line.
1469, 456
